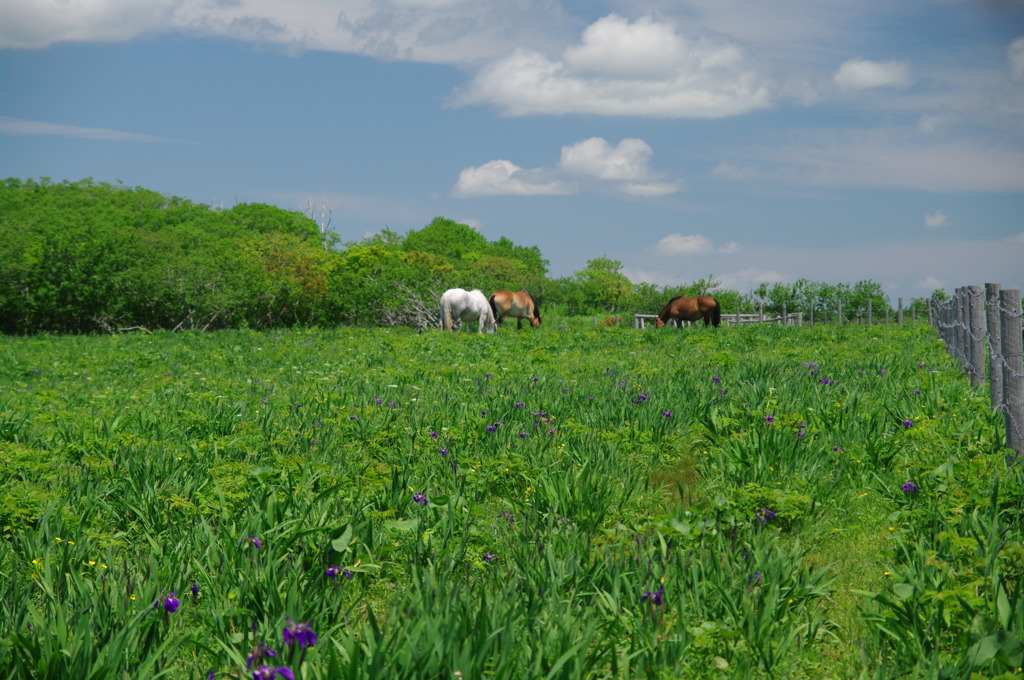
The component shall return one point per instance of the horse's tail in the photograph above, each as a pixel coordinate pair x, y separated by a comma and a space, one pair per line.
493, 304
491, 325
716, 314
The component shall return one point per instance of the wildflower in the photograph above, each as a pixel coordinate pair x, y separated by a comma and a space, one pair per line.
444, 451
519, 404
769, 420
839, 449
490, 557
492, 428
640, 398
507, 515
656, 598
909, 488
259, 652
299, 632
667, 414
346, 573
268, 672
916, 392
333, 571
882, 372
171, 603
755, 577
483, 412
379, 401
487, 376
523, 435
195, 590
908, 423
419, 498
433, 435
766, 515
715, 379
392, 404
251, 540
353, 417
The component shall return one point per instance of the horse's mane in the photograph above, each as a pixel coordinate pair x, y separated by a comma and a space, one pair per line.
668, 306
536, 307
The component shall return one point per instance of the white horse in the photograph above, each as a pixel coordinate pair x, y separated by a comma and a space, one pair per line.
466, 305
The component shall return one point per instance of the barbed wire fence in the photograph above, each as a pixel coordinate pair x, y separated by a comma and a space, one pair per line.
977, 319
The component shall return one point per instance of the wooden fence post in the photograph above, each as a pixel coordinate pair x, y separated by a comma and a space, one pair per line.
869, 311
995, 345
1013, 380
760, 311
899, 314
976, 334
839, 312
785, 316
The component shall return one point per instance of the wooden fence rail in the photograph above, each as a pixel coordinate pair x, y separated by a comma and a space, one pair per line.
976, 319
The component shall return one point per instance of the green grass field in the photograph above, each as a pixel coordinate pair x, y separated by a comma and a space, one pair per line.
566, 502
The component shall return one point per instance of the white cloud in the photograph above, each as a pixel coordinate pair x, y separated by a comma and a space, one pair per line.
38, 23
592, 164
629, 160
936, 219
862, 74
504, 178
643, 68
930, 283
16, 126
692, 244
1016, 57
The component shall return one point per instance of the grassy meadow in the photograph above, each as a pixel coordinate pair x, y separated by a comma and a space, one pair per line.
563, 502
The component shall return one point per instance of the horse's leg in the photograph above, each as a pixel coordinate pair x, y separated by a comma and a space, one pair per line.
519, 323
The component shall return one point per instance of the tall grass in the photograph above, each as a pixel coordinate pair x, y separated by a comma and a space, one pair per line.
555, 503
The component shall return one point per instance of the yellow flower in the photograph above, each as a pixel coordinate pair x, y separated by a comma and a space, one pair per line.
58, 539
132, 596
892, 528
887, 573
92, 563
38, 562
863, 494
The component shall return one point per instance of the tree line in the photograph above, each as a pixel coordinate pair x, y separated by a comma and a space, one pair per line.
81, 257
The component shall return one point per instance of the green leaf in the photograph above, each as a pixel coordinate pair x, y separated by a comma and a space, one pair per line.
341, 543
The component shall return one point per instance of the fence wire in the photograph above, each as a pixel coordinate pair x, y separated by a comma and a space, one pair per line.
953, 320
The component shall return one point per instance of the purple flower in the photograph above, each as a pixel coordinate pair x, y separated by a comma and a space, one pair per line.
769, 420
299, 632
523, 435
353, 417
908, 423
492, 428
667, 414
433, 435
392, 404
507, 515
490, 557
171, 603
268, 673
444, 451
519, 404
346, 573
766, 515
258, 653
839, 449
640, 398
801, 433
815, 371
195, 590
715, 379
333, 571
251, 540
656, 598
917, 392
483, 412
909, 488
487, 375
419, 498
379, 401
882, 372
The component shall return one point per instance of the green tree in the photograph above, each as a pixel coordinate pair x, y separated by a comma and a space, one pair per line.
603, 284
447, 238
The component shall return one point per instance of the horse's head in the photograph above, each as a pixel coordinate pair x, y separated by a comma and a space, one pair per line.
535, 321
658, 323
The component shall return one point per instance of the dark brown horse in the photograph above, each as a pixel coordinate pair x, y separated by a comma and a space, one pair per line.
520, 305
690, 309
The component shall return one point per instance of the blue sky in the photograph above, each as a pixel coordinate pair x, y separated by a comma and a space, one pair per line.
755, 141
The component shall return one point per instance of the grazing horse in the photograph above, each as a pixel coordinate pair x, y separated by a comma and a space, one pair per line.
520, 305
690, 309
466, 305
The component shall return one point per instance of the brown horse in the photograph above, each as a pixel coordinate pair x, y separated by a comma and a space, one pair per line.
690, 309
520, 305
